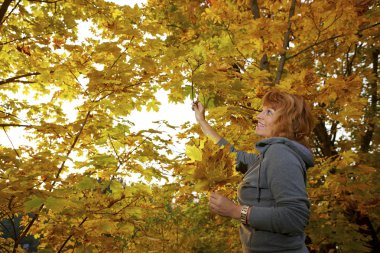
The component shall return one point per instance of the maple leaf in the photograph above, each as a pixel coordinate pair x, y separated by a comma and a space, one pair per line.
194, 153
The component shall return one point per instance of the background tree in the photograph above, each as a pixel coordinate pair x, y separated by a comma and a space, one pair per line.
226, 53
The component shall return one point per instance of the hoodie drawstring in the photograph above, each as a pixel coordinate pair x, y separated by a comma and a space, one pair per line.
258, 179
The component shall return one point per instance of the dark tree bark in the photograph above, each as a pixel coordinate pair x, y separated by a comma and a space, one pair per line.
16, 78
281, 64
255, 9
3, 9
370, 118
326, 145
264, 63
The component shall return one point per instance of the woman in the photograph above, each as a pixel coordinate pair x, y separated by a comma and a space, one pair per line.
273, 203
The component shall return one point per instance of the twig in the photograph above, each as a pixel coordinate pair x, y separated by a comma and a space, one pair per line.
122, 53
114, 149
192, 74
11, 142
71, 235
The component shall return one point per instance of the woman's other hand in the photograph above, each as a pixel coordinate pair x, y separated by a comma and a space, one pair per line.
224, 206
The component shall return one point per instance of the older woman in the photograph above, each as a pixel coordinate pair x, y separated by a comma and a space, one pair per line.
273, 203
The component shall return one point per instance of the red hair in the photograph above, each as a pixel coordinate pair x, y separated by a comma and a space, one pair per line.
293, 116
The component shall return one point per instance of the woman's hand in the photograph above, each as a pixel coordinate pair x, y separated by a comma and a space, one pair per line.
223, 206
199, 110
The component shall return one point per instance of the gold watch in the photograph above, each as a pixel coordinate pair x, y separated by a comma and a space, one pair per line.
243, 214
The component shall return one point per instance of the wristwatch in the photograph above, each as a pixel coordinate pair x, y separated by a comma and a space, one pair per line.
243, 215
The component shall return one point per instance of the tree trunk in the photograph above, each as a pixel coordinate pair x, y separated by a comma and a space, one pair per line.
372, 113
285, 45
264, 64
326, 145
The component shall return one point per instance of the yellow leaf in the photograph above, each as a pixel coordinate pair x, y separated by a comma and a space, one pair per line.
194, 153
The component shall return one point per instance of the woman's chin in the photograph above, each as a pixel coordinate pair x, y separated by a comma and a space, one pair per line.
262, 134
259, 133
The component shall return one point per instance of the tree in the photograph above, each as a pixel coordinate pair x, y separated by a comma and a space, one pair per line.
226, 53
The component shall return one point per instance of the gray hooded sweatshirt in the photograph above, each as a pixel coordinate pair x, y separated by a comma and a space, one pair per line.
274, 185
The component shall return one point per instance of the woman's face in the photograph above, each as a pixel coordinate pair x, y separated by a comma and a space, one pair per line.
265, 121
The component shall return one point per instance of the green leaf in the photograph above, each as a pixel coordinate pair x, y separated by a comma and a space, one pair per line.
116, 187
136, 212
54, 204
33, 204
86, 183
126, 228
58, 204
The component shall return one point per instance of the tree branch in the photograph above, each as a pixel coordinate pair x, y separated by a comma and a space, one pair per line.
264, 63
4, 227
315, 44
328, 39
114, 149
233, 43
121, 54
3, 20
255, 9
71, 235
128, 157
285, 46
3, 9
15, 125
26, 230
15, 78
326, 145
24, 233
11, 220
72, 147
350, 61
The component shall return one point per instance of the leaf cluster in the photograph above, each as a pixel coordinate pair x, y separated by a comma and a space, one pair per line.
211, 166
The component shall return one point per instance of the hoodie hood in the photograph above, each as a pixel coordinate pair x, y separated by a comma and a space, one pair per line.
300, 149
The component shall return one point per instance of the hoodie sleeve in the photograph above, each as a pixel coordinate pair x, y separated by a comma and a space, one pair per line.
286, 181
243, 159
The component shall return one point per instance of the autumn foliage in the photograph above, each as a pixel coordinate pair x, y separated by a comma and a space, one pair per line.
68, 188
